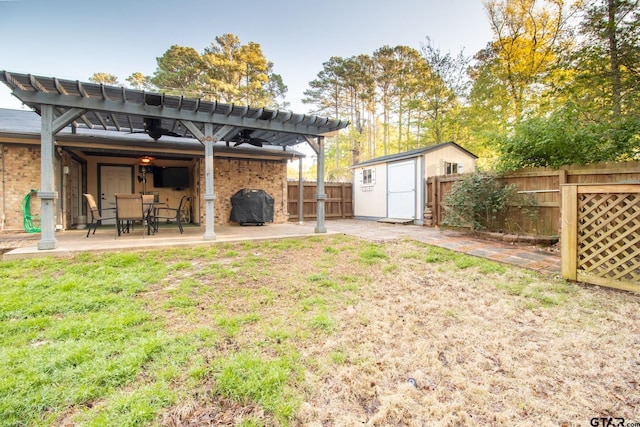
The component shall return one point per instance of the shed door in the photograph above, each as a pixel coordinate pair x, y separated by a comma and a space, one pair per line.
401, 184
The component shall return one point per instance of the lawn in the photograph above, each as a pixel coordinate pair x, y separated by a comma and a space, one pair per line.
321, 331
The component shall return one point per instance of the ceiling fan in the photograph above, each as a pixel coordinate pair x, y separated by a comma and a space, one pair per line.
153, 129
244, 137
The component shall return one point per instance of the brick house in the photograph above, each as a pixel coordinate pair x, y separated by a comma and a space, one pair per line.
88, 138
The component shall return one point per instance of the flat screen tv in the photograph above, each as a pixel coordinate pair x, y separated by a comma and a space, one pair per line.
171, 177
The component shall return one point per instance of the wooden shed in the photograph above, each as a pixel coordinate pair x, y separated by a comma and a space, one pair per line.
393, 186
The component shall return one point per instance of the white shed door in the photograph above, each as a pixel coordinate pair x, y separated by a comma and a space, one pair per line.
401, 184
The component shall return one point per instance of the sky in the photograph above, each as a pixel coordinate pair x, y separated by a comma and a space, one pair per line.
73, 39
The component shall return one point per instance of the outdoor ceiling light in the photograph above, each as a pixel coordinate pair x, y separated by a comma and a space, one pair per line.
146, 160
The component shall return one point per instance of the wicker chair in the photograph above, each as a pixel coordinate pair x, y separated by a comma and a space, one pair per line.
98, 215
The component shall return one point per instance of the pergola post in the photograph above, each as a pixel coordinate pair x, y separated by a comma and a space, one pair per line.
46, 194
209, 195
300, 192
320, 196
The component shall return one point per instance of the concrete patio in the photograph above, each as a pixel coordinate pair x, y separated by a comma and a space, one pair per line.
71, 242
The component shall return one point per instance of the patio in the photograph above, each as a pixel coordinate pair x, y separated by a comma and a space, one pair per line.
71, 242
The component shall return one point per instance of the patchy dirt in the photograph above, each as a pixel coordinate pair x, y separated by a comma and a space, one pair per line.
479, 355
423, 343
216, 412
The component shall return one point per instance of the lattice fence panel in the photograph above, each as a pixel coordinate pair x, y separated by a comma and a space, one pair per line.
609, 236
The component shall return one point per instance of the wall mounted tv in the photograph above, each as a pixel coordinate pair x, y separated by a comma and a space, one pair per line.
171, 177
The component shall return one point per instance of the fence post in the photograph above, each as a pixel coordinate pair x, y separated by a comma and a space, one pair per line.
434, 197
562, 179
342, 191
569, 232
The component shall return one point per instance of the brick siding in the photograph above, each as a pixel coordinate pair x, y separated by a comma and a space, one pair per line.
20, 175
232, 175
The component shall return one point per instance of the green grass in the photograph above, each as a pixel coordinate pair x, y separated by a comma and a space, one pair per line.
247, 376
118, 339
372, 254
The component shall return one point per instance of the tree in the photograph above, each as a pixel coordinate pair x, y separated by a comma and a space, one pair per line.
596, 116
179, 71
227, 71
386, 72
562, 139
609, 55
237, 73
139, 81
276, 90
104, 78
528, 34
447, 89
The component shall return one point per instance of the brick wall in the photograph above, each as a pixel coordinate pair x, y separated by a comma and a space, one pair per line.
231, 175
21, 173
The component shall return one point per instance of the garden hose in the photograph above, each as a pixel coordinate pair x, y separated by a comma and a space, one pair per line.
29, 227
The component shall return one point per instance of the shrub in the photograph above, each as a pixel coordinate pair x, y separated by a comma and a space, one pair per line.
481, 203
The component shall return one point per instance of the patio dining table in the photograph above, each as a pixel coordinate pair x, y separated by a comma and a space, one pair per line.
149, 208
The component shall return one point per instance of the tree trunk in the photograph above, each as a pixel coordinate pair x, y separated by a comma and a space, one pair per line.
613, 52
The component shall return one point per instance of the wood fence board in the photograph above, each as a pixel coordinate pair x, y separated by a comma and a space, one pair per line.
568, 248
610, 283
607, 239
338, 202
544, 185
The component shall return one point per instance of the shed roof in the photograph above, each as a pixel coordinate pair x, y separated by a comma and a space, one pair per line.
111, 108
412, 153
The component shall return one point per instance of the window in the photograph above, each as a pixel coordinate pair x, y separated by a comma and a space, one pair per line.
367, 177
452, 168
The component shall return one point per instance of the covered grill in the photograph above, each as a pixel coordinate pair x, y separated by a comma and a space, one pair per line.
249, 206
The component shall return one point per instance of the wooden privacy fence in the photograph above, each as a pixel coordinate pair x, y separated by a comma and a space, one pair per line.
543, 185
338, 204
601, 234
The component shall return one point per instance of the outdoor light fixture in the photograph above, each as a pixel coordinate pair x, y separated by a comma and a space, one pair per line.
146, 160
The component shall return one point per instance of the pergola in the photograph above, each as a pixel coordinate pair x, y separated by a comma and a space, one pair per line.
62, 103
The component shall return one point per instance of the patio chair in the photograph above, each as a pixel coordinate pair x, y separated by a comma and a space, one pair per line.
149, 203
170, 214
98, 215
129, 209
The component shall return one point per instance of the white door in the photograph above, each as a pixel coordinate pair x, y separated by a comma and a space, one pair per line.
401, 185
113, 179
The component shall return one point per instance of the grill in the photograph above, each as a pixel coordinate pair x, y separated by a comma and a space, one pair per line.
249, 206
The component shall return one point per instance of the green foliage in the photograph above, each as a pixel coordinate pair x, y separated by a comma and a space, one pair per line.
104, 78
481, 203
562, 139
227, 71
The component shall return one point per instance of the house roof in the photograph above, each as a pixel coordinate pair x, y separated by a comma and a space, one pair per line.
25, 125
119, 109
412, 153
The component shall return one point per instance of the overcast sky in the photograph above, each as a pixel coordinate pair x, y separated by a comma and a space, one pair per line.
72, 39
